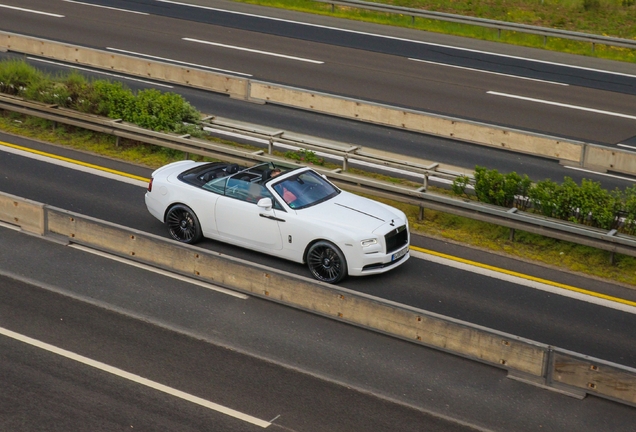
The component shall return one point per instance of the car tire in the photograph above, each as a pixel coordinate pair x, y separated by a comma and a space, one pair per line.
183, 225
326, 262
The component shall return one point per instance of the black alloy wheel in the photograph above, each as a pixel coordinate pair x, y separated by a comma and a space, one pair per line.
326, 262
183, 224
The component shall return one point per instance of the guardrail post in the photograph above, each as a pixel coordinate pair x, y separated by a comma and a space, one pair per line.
511, 237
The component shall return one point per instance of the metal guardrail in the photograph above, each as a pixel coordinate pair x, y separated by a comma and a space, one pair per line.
346, 152
511, 218
488, 23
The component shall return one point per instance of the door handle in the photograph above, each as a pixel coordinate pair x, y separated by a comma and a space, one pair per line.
271, 217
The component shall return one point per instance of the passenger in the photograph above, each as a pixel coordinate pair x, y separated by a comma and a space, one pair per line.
288, 196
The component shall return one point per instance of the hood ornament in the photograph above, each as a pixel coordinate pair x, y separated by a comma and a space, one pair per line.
392, 222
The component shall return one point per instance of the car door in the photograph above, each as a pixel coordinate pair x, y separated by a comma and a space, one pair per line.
239, 220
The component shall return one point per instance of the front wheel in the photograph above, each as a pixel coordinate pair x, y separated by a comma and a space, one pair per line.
326, 262
183, 224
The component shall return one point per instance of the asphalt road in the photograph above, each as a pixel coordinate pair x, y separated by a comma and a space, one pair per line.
463, 390
298, 371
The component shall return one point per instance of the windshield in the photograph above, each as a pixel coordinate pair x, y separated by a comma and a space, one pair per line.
305, 189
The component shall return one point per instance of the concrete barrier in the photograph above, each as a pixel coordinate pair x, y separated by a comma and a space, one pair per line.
24, 213
161, 71
531, 361
594, 376
601, 158
478, 133
419, 326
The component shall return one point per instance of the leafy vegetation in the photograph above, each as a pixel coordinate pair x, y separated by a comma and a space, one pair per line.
587, 203
306, 156
150, 109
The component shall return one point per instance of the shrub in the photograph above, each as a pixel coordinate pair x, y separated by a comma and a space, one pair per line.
113, 100
16, 76
493, 187
459, 185
162, 111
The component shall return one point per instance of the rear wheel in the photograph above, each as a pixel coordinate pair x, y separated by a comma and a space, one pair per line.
326, 262
183, 224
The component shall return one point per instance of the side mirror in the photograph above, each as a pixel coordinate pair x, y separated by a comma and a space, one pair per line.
265, 203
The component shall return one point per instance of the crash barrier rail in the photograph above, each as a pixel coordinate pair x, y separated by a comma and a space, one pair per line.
568, 152
524, 359
347, 152
514, 219
488, 23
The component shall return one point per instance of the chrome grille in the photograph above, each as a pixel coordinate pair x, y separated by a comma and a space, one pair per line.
396, 239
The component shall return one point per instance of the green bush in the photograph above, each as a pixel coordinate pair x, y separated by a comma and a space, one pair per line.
460, 184
113, 100
16, 76
151, 109
507, 190
162, 111
587, 204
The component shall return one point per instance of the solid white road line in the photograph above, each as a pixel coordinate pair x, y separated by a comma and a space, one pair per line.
31, 11
489, 72
198, 66
631, 147
159, 271
600, 173
134, 378
106, 7
524, 282
253, 51
576, 107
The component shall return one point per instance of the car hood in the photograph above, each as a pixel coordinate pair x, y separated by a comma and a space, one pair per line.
353, 211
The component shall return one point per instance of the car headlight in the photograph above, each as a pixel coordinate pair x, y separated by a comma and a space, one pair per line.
369, 242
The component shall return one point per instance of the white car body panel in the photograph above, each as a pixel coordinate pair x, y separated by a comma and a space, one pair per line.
344, 220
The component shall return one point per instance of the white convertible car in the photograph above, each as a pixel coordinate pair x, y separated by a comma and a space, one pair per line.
292, 213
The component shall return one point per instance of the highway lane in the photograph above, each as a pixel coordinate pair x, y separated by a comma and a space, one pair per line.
58, 387
509, 306
299, 371
594, 105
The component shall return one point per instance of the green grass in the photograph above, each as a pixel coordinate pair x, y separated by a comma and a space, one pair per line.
613, 18
493, 238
